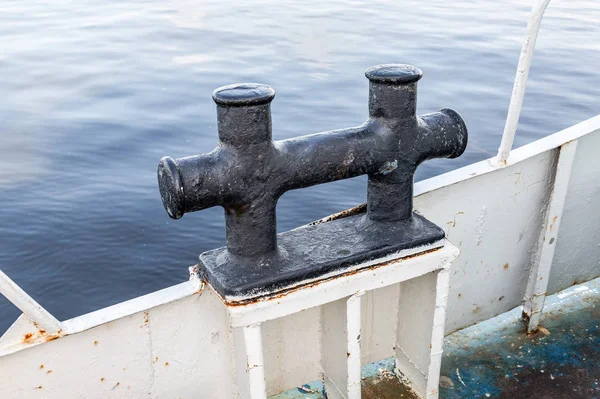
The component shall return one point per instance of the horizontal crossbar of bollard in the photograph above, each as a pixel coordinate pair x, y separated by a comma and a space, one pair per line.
248, 172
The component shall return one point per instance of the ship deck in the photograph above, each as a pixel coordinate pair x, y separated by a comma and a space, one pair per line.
497, 359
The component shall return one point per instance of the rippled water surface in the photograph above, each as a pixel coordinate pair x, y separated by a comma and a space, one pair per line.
94, 93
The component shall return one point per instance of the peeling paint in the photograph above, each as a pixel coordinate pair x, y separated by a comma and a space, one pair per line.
388, 167
280, 294
362, 208
481, 225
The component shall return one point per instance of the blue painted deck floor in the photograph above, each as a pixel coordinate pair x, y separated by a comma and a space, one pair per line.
496, 359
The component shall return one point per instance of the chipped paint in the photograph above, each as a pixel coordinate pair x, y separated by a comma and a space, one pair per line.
311, 284
557, 361
348, 160
362, 208
481, 225
388, 167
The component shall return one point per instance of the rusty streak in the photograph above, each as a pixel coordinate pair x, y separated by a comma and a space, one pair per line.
285, 292
362, 208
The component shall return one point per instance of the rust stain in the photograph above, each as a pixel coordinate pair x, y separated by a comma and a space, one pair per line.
102, 379
362, 208
166, 364
505, 267
540, 330
41, 366
31, 337
543, 330
237, 210
285, 292
48, 372
95, 343
552, 223
40, 387
53, 337
453, 222
146, 319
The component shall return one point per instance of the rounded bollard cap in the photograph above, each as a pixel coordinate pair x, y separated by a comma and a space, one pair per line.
171, 187
243, 94
394, 73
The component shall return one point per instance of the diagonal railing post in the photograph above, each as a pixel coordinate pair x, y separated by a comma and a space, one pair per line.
27, 304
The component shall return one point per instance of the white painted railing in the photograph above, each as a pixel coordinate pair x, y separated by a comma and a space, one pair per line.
28, 305
516, 100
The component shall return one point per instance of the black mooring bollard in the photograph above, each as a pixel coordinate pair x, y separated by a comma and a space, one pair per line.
248, 172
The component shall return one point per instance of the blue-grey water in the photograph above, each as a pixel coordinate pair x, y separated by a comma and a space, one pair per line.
93, 93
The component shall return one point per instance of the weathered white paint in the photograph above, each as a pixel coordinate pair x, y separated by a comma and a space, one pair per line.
353, 320
335, 274
25, 332
28, 305
176, 350
293, 350
341, 358
379, 323
516, 100
442, 290
577, 256
81, 323
251, 367
340, 298
420, 333
540, 269
494, 214
394, 271
334, 348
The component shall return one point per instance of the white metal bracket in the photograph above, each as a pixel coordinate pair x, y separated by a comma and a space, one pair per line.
423, 277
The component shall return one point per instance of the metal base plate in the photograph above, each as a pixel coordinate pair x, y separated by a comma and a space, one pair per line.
313, 252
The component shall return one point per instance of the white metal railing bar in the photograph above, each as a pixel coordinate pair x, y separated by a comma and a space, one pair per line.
28, 305
353, 327
539, 274
518, 92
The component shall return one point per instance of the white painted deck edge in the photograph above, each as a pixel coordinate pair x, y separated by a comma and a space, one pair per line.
131, 307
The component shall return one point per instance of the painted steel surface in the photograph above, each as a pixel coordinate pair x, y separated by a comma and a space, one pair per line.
248, 172
190, 327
